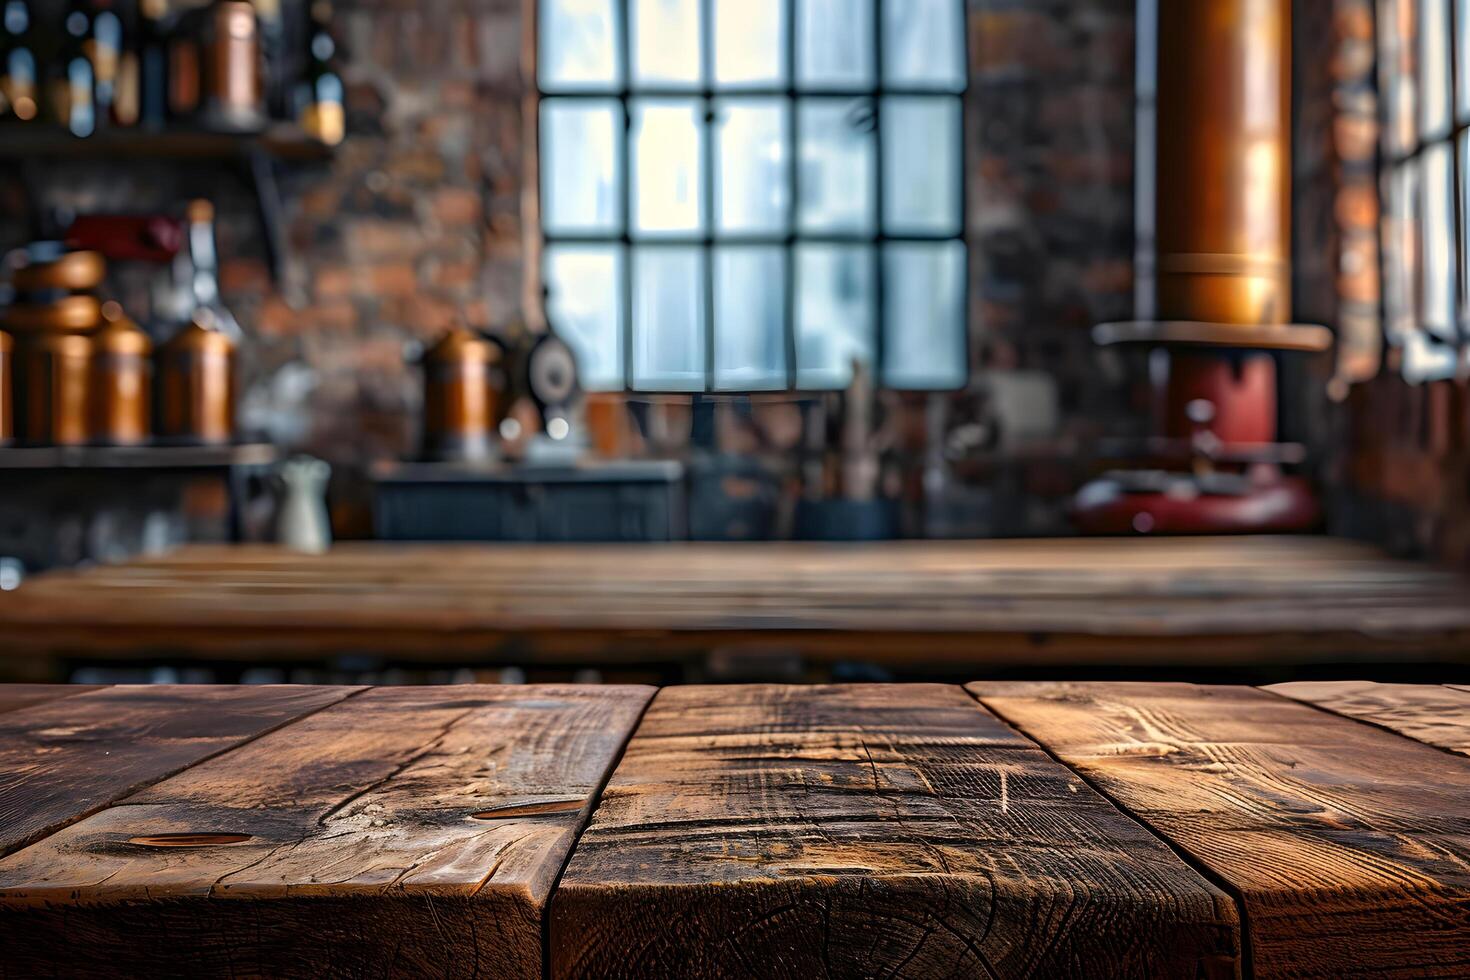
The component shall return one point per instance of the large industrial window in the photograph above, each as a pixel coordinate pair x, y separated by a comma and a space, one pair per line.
1424, 87
747, 195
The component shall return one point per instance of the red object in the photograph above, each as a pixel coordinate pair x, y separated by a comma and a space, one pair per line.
1240, 387
1211, 399
1281, 504
142, 238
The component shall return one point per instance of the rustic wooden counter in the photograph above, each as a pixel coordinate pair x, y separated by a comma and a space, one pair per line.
1004, 829
954, 605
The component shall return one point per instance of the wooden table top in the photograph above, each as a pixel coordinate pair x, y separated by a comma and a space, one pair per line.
924, 830
1059, 601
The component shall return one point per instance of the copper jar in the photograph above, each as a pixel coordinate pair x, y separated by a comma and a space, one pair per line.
461, 396
77, 271
7, 390
233, 94
53, 375
55, 293
120, 392
196, 386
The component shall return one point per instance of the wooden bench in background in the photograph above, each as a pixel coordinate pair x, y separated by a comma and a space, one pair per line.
924, 830
949, 607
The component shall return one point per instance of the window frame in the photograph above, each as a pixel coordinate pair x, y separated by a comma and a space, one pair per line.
790, 96
1429, 352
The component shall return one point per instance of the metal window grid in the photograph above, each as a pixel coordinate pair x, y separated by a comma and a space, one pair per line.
794, 95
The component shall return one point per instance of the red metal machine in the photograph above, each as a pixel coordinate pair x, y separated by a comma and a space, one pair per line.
1223, 213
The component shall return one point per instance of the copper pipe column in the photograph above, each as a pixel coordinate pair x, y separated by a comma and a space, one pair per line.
1224, 161
1223, 287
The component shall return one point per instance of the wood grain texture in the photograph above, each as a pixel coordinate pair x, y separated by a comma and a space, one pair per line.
1349, 846
407, 831
1435, 714
868, 830
63, 759
13, 696
1219, 600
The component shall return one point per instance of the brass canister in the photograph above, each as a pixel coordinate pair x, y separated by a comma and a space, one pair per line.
121, 372
7, 390
53, 372
233, 93
460, 396
196, 386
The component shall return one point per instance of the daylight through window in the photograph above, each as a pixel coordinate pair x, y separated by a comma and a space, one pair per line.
747, 195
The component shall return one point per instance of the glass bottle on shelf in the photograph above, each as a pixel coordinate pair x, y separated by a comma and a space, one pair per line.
127, 106
323, 112
152, 63
73, 82
185, 64
104, 47
204, 274
18, 96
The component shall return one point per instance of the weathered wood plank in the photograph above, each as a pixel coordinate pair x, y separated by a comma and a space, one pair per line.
63, 759
868, 830
408, 831
1348, 846
14, 696
1072, 601
1435, 714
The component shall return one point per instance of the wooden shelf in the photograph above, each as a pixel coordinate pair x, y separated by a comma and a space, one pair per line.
135, 457
21, 140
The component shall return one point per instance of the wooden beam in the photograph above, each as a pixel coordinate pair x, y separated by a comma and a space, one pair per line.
862, 831
1435, 714
413, 831
1348, 846
63, 759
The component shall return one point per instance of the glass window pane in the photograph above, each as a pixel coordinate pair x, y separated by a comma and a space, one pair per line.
750, 317
581, 163
750, 43
834, 45
584, 302
666, 43
668, 179
921, 165
1462, 22
752, 195
1437, 227
924, 44
579, 46
834, 313
836, 188
1434, 67
924, 315
1465, 210
1400, 238
668, 319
